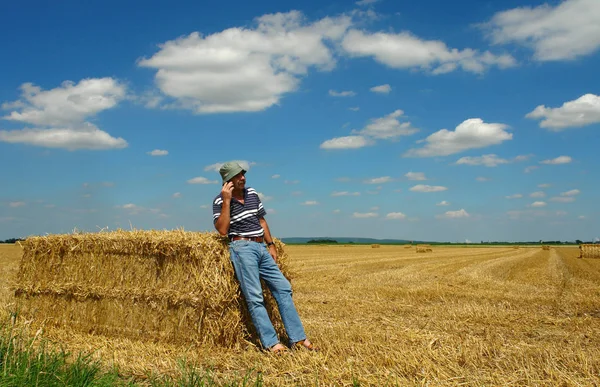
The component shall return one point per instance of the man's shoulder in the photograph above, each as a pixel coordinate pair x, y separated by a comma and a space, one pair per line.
218, 199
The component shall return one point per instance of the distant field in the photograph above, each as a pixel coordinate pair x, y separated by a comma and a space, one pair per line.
455, 316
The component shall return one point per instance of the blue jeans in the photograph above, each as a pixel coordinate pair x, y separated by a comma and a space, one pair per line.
252, 262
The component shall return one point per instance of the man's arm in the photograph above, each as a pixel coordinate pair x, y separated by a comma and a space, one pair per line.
268, 237
222, 223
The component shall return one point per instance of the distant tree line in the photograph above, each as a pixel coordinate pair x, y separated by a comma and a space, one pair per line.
323, 241
12, 240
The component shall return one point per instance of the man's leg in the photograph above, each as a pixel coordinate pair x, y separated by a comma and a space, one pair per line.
282, 291
245, 257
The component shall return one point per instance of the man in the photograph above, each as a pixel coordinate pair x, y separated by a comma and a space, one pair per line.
239, 214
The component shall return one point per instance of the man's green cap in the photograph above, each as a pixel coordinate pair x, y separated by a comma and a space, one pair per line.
229, 170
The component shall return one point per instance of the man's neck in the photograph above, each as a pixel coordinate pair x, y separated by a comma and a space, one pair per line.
238, 193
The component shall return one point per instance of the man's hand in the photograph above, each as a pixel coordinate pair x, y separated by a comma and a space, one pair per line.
227, 191
273, 252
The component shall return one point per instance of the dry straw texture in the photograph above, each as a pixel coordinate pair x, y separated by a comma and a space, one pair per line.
169, 286
462, 316
424, 249
590, 250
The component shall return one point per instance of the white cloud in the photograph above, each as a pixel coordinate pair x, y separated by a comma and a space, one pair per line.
158, 152
364, 215
482, 179
271, 211
310, 203
428, 188
583, 111
243, 163
538, 204
470, 134
354, 109
558, 160
415, 176
245, 69
454, 214
538, 194
345, 193
561, 213
348, 93
443, 203
263, 197
336, 211
275, 176
490, 160
131, 208
201, 180
572, 192
581, 217
521, 158
563, 199
382, 89
546, 185
292, 182
59, 115
406, 51
388, 127
204, 206
530, 168
395, 215
378, 180
347, 142
177, 195
70, 103
515, 196
566, 31
87, 136
16, 204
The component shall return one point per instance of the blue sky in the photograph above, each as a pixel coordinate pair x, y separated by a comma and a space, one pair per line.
428, 120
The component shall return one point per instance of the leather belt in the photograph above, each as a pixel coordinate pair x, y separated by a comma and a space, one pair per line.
253, 239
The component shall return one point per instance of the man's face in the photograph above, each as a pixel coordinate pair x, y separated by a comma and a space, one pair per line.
239, 181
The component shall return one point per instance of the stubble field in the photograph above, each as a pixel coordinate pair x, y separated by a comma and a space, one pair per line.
390, 316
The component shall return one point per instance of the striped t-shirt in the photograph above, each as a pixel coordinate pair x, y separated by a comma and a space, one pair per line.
244, 218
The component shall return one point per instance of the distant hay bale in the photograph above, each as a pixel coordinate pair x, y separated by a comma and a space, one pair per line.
408, 246
545, 247
375, 246
589, 251
171, 286
516, 247
424, 249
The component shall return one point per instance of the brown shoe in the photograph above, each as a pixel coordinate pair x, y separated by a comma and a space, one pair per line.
278, 349
307, 345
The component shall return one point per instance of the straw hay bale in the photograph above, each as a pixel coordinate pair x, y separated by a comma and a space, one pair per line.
375, 246
172, 286
589, 251
545, 247
408, 246
424, 248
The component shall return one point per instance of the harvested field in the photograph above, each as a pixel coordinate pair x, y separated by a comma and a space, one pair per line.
454, 316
